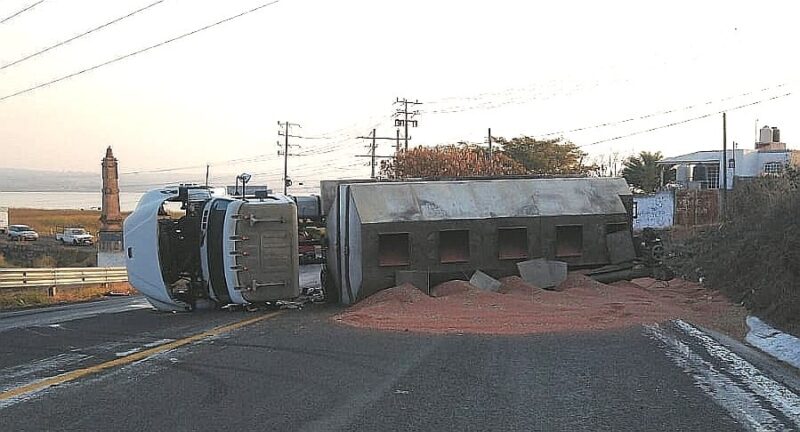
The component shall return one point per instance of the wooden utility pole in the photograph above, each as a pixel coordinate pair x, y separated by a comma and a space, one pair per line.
373, 148
489, 136
372, 162
285, 133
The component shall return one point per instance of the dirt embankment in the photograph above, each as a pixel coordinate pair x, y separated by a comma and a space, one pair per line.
579, 304
45, 252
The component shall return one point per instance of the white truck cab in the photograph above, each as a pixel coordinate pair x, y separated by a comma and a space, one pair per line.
225, 249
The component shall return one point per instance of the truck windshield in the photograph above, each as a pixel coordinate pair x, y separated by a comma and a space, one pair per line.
78, 231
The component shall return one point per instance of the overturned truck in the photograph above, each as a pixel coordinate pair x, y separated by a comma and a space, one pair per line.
382, 233
213, 248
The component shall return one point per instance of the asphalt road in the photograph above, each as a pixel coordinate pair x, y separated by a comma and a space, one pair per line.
301, 371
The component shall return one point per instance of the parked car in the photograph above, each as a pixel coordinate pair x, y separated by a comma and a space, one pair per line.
74, 236
22, 232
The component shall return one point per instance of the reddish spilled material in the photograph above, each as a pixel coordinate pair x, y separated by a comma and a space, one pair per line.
578, 304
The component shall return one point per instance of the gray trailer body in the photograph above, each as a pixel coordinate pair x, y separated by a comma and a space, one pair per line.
451, 228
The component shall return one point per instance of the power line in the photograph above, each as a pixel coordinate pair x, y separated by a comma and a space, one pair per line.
686, 120
62, 43
123, 57
162, 170
248, 159
20, 12
517, 100
658, 113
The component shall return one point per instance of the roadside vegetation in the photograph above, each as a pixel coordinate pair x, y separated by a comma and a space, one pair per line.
32, 298
642, 171
517, 156
754, 255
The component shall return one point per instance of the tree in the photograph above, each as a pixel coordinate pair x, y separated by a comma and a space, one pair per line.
449, 161
549, 157
642, 171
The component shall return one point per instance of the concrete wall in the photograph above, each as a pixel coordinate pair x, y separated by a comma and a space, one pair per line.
110, 259
696, 207
654, 210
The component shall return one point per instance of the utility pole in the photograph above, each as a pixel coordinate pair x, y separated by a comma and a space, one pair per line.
733, 160
724, 167
207, 168
397, 146
489, 137
372, 154
286, 134
372, 163
373, 147
406, 113
755, 130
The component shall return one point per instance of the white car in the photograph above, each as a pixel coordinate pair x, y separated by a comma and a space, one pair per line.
75, 236
22, 232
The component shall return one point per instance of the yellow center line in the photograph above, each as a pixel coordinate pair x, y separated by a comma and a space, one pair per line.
80, 373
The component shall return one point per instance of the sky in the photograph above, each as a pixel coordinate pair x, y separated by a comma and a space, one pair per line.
336, 67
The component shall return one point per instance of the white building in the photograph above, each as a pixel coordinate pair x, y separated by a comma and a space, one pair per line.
703, 169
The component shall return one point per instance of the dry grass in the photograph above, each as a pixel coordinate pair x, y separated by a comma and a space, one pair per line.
63, 295
45, 221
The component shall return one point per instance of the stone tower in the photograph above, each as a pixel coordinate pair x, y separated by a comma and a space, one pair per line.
109, 242
110, 218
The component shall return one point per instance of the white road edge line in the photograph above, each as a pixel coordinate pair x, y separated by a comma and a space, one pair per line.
738, 402
781, 397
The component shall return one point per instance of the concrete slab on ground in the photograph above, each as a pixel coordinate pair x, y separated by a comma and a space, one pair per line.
485, 282
620, 247
542, 272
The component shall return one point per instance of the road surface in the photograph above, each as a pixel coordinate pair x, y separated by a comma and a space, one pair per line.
119, 366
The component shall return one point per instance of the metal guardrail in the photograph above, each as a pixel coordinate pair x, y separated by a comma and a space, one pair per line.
47, 277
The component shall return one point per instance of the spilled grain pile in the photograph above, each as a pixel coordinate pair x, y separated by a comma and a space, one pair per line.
579, 304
